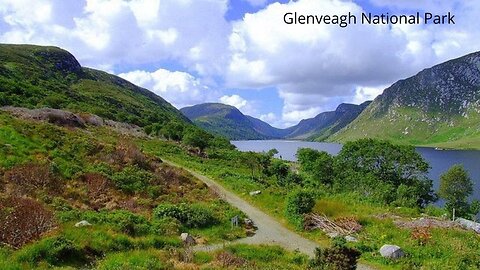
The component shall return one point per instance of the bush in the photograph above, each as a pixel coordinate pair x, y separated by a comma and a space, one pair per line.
338, 257
298, 203
53, 250
131, 260
30, 178
166, 226
192, 216
23, 220
132, 179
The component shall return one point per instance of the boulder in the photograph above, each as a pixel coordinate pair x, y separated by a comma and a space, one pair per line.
333, 234
256, 192
391, 252
468, 224
188, 239
349, 238
82, 223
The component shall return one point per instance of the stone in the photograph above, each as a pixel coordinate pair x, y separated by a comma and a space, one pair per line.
391, 252
333, 234
468, 224
256, 192
82, 223
187, 239
349, 238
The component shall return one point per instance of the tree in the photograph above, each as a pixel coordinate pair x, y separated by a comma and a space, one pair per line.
197, 138
299, 202
388, 166
455, 188
317, 164
173, 131
280, 169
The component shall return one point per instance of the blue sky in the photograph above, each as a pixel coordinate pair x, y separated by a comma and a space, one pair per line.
241, 53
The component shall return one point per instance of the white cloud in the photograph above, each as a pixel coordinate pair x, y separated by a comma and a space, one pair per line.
179, 88
315, 65
116, 32
234, 100
367, 93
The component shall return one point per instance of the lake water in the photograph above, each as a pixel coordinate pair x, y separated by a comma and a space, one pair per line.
440, 161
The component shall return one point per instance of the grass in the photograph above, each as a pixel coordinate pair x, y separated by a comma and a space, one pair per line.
410, 127
448, 248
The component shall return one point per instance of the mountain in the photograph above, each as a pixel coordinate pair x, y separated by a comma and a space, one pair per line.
228, 121
327, 123
38, 76
440, 106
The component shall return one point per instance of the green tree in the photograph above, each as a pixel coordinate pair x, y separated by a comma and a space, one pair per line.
316, 164
280, 169
455, 188
299, 202
173, 131
386, 166
197, 138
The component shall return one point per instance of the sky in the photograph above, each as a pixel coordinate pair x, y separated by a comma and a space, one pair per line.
241, 53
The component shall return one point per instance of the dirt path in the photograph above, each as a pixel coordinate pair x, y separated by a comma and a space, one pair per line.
270, 231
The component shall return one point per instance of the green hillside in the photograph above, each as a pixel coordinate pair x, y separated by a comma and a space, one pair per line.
439, 106
226, 120
36, 76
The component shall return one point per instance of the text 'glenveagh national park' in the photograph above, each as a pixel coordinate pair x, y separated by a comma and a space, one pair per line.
345, 20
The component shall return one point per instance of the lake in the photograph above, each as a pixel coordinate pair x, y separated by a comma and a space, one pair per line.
440, 161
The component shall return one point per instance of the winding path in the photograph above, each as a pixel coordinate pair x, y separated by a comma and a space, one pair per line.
270, 231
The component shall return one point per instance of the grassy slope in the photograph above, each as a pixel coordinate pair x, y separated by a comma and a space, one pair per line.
75, 152
448, 249
35, 76
408, 126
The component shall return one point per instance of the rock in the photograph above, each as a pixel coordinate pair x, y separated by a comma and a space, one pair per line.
256, 192
391, 252
468, 224
351, 238
188, 239
333, 235
82, 223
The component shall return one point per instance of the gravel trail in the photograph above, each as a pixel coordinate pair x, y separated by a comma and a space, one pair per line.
270, 231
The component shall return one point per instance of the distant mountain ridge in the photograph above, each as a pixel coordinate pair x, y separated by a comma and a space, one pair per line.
230, 122
440, 106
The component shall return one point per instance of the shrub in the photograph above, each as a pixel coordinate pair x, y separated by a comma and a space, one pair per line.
54, 250
193, 216
299, 202
227, 259
166, 226
97, 184
29, 178
131, 260
132, 179
337, 257
23, 220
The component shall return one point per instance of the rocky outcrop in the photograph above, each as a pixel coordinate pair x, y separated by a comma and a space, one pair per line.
68, 119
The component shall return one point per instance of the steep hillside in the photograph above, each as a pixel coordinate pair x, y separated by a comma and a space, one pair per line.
36, 76
327, 123
439, 106
228, 121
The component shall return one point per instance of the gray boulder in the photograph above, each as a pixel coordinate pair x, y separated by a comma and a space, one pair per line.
82, 223
391, 252
255, 193
468, 224
350, 238
188, 239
